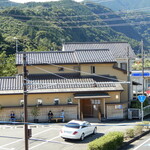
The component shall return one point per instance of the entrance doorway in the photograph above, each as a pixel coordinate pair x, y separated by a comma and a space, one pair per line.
90, 108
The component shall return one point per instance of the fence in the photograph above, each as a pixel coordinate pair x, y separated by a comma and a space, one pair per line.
146, 110
136, 113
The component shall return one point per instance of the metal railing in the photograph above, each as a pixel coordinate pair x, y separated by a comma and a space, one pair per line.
136, 113
146, 110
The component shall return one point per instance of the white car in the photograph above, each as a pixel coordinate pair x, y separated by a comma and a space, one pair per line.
76, 129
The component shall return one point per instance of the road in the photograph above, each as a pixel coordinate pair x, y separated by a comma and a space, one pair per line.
141, 144
46, 136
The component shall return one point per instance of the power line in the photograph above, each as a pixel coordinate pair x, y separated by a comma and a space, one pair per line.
43, 84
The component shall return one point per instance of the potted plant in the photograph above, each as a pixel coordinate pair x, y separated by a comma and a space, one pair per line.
69, 100
35, 112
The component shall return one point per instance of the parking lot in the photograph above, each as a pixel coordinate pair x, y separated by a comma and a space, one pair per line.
46, 136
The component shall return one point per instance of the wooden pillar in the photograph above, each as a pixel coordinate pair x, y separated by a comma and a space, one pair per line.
104, 109
79, 115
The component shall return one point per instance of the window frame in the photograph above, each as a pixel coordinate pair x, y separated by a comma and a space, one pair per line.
93, 69
123, 66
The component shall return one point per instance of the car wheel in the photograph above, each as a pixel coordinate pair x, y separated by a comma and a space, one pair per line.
82, 137
95, 131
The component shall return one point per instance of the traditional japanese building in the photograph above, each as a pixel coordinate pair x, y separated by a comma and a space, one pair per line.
83, 82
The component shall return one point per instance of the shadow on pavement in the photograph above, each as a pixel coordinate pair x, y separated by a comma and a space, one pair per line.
87, 139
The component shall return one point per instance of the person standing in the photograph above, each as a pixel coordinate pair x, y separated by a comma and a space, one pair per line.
50, 115
63, 115
22, 116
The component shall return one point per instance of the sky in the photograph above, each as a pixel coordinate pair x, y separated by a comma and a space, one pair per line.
25, 1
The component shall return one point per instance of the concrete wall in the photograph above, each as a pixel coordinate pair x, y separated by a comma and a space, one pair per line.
48, 99
70, 112
44, 69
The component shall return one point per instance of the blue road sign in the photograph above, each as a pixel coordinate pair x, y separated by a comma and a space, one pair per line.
141, 98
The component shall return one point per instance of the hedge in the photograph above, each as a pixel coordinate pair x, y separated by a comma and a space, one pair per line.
111, 141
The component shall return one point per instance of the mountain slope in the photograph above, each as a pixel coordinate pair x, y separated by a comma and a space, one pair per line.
44, 26
116, 24
123, 4
136, 22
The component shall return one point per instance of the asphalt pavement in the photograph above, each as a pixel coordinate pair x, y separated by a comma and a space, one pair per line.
45, 136
141, 144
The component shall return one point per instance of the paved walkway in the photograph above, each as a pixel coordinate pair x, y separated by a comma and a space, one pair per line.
115, 125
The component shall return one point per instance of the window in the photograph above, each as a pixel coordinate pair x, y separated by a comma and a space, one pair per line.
95, 101
76, 68
92, 69
60, 69
73, 125
123, 66
39, 101
22, 102
56, 101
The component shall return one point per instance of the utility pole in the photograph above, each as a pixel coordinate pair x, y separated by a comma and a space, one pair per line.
25, 101
128, 75
142, 51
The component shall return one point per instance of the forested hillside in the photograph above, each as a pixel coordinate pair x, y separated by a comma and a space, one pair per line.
142, 27
133, 12
44, 26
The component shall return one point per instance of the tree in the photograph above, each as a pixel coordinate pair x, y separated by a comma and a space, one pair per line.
7, 65
35, 112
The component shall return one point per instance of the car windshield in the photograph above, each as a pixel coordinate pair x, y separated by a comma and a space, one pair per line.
73, 125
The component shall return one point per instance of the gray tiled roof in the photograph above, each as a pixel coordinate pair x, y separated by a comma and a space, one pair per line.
53, 82
119, 49
67, 57
10, 83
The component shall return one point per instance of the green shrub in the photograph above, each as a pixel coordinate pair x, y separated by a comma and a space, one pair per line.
129, 133
146, 124
138, 129
137, 104
111, 141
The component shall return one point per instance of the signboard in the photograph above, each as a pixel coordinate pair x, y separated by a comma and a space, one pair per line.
141, 98
118, 107
137, 74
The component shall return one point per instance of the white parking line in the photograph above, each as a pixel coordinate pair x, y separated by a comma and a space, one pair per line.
10, 143
141, 144
2, 146
44, 142
6, 148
